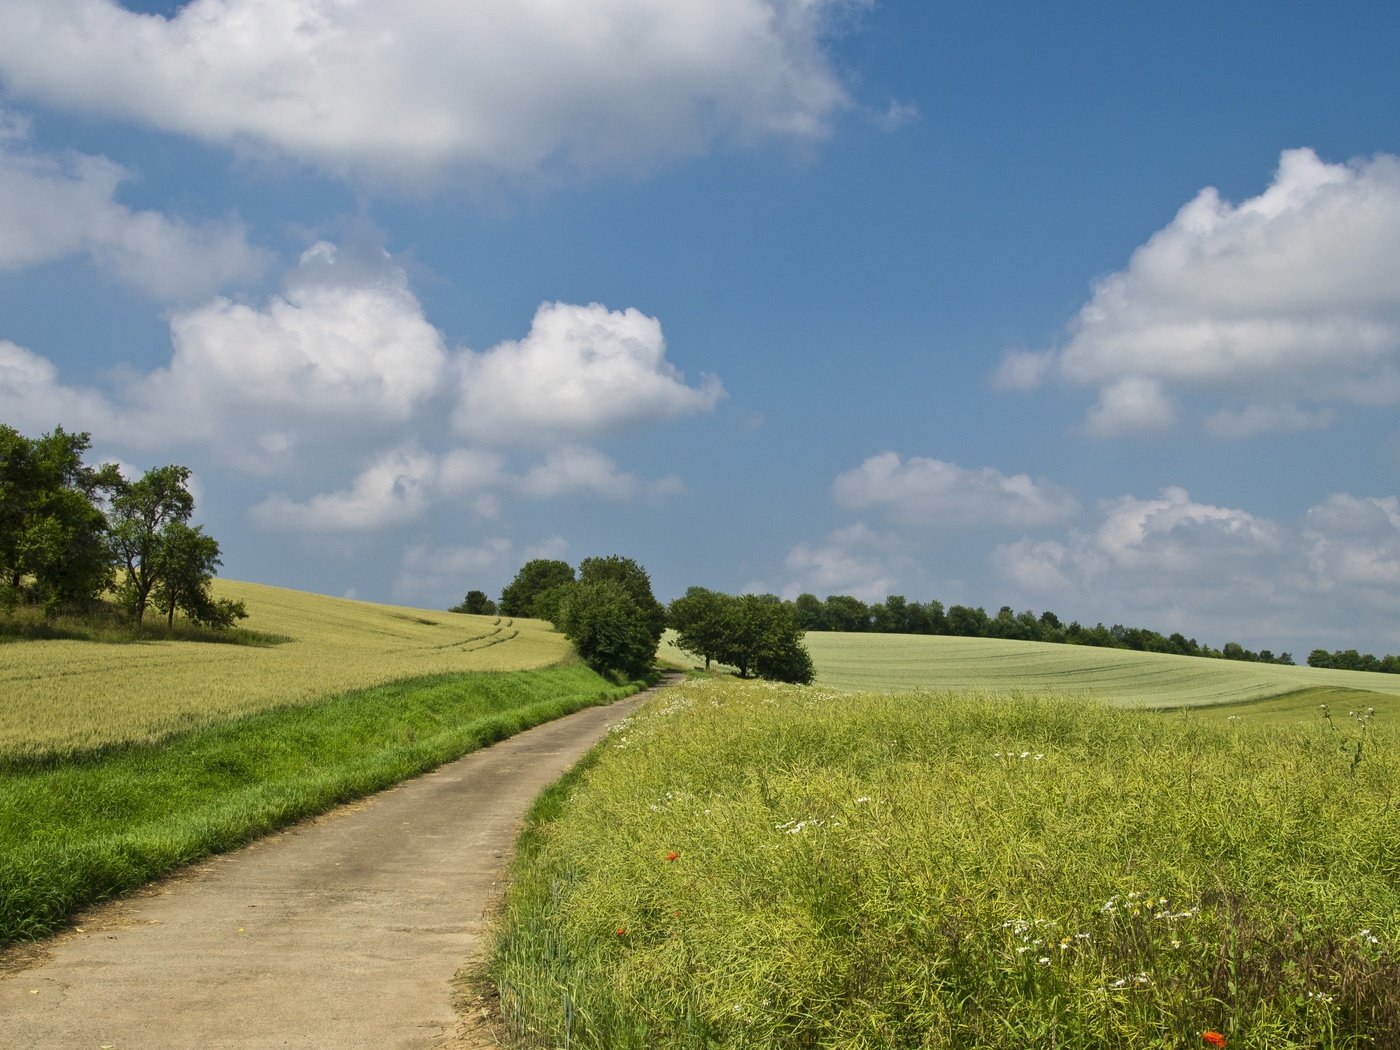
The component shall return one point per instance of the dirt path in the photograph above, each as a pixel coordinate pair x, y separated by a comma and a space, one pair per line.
342, 932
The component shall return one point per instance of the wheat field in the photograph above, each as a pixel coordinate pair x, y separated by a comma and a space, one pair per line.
66, 696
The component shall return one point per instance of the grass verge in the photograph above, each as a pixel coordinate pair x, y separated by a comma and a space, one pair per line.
76, 831
748, 865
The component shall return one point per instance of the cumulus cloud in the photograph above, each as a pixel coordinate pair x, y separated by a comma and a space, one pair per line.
58, 205
510, 86
932, 492
855, 560
581, 371
1286, 301
571, 469
342, 354
1175, 563
394, 489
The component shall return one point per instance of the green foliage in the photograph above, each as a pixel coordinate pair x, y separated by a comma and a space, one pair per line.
633, 579
701, 622
759, 866
757, 634
607, 628
476, 603
167, 804
534, 578
53, 549
145, 514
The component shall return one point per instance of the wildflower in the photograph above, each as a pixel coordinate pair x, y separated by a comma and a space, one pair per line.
673, 855
1044, 960
622, 931
1213, 1038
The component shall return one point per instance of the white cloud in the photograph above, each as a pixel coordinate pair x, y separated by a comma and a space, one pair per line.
1131, 403
1259, 419
435, 573
395, 488
57, 205
855, 560
510, 86
33, 400
1288, 296
343, 355
581, 371
1172, 563
570, 469
935, 493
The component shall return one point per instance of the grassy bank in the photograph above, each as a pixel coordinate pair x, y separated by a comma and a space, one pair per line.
758, 866
77, 828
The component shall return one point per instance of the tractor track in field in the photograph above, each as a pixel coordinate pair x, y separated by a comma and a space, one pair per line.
347, 931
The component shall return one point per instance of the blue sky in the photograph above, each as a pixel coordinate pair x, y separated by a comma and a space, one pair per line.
1088, 307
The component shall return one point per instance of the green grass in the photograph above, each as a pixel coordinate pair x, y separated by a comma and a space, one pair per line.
74, 830
749, 865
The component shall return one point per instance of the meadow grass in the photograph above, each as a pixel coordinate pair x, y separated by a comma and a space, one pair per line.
752, 865
77, 830
66, 697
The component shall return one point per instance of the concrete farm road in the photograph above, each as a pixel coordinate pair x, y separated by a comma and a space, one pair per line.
345, 931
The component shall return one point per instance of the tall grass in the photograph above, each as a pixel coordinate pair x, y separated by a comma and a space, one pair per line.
749, 865
76, 830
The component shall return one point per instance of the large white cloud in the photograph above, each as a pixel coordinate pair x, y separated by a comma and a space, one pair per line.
56, 205
1278, 307
581, 371
507, 85
343, 356
1331, 579
396, 488
932, 492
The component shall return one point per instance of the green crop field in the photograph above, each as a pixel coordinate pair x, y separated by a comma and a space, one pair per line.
941, 664
68, 696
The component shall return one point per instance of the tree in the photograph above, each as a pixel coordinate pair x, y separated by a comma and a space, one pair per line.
607, 628
141, 512
187, 560
701, 619
764, 638
810, 612
845, 613
476, 603
633, 579
535, 577
53, 547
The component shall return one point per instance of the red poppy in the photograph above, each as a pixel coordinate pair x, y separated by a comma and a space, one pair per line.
622, 932
1213, 1038
673, 855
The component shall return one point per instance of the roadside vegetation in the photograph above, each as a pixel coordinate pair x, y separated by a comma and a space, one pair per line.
753, 865
77, 828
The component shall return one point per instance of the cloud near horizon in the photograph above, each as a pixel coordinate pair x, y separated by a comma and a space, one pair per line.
1230, 575
934, 493
1276, 309
424, 87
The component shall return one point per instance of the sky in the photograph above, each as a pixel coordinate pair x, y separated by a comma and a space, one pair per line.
1088, 307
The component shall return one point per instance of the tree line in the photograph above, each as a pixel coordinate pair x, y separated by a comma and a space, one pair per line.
897, 615
71, 534
1351, 660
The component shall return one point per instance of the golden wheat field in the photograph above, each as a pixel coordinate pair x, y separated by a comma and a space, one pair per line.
59, 696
